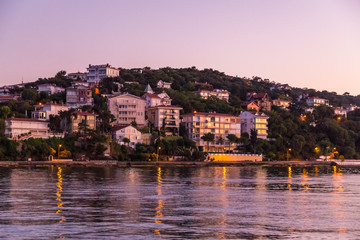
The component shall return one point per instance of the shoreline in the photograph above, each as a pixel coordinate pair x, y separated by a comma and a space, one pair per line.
101, 163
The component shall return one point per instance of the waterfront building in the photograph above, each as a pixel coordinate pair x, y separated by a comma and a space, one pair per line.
315, 101
255, 120
198, 124
78, 95
129, 132
43, 111
98, 72
15, 127
127, 108
50, 88
165, 117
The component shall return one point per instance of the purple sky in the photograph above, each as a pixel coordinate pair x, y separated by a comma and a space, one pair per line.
308, 43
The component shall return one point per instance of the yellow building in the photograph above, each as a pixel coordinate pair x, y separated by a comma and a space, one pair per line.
221, 125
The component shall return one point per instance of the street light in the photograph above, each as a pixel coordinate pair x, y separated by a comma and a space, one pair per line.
59, 151
157, 156
287, 153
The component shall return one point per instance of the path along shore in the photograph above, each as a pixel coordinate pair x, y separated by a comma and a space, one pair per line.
94, 163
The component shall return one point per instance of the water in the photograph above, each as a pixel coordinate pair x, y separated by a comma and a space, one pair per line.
179, 203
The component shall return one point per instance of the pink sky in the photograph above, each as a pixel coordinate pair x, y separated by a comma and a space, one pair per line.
308, 43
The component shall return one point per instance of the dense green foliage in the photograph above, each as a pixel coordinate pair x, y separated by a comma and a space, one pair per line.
295, 132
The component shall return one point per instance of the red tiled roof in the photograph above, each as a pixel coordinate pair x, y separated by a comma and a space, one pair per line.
166, 106
84, 113
207, 114
7, 97
151, 95
116, 128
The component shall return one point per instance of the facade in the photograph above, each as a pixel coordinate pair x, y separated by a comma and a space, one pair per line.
43, 112
127, 108
15, 127
153, 100
261, 99
50, 88
134, 135
80, 117
251, 106
351, 108
219, 93
221, 125
281, 103
280, 87
77, 76
98, 72
166, 117
77, 96
162, 84
340, 111
257, 121
315, 101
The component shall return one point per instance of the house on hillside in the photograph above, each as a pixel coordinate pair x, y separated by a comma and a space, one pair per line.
261, 99
127, 108
50, 88
316, 101
129, 132
162, 84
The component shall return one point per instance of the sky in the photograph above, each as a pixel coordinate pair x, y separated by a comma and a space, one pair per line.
314, 44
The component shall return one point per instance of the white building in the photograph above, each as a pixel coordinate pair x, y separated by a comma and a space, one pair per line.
153, 100
77, 76
257, 121
43, 112
315, 101
352, 107
98, 72
162, 84
219, 93
14, 127
127, 108
50, 88
129, 132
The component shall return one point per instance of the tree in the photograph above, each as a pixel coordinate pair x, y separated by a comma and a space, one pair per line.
232, 139
126, 141
4, 112
209, 137
253, 139
30, 94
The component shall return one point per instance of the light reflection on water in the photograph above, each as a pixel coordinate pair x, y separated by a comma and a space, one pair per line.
168, 202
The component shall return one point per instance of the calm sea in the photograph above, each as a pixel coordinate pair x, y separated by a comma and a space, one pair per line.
179, 203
